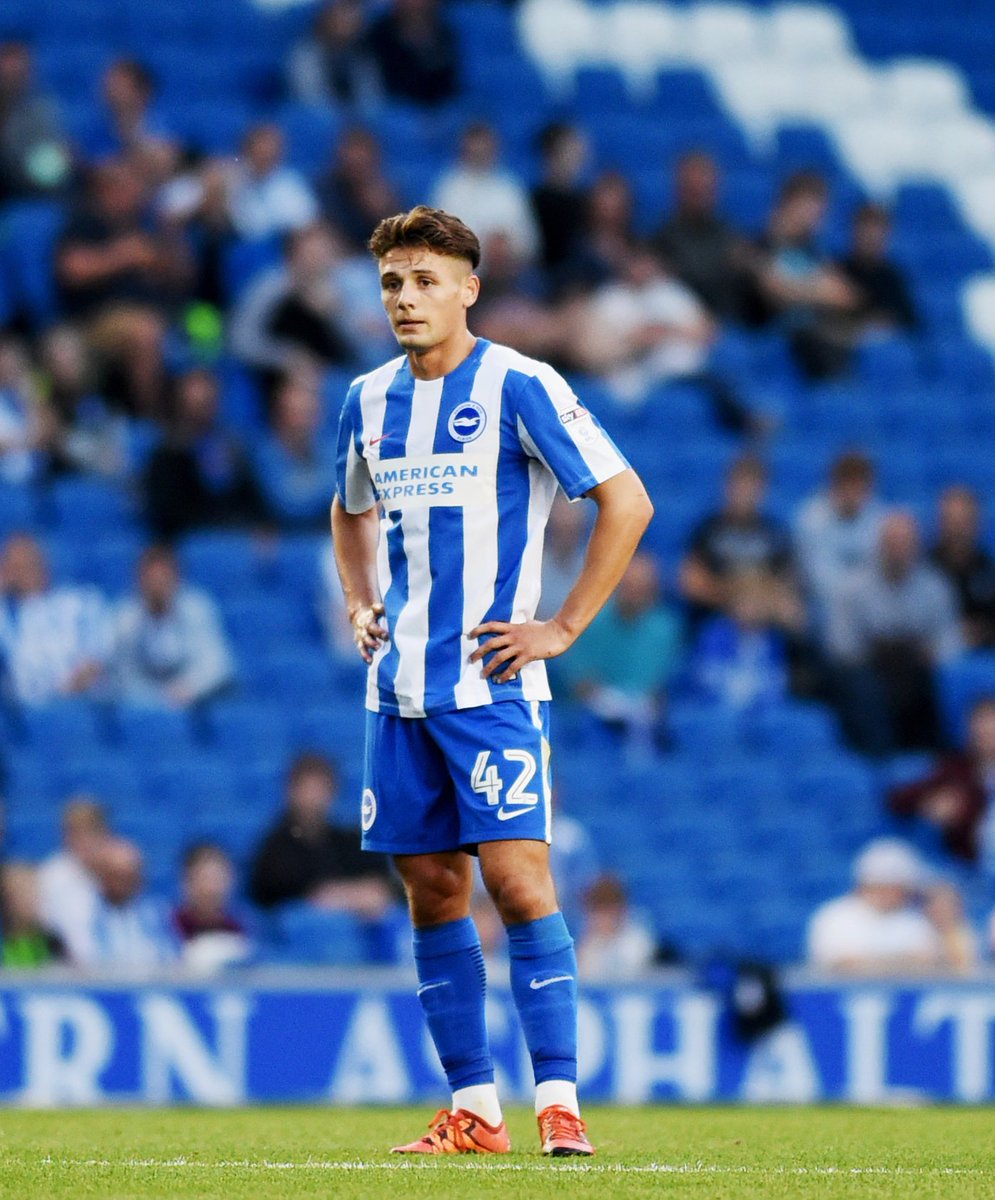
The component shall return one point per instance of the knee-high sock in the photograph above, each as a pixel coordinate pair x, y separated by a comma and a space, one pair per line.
544, 984
452, 985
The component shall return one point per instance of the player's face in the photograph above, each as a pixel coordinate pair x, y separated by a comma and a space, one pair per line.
426, 296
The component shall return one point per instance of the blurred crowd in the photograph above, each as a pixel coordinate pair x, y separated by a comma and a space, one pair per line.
207, 312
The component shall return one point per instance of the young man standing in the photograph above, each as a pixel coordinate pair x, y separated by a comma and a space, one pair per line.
449, 458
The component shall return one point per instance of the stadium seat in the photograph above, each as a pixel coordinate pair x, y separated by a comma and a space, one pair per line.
311, 935
65, 729
154, 735
961, 683
248, 730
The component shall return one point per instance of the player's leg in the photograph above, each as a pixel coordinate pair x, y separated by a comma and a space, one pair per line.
543, 982
409, 812
499, 758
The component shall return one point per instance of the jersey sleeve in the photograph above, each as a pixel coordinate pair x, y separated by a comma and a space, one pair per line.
353, 485
554, 427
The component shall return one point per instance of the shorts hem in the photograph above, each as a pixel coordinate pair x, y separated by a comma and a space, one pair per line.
406, 848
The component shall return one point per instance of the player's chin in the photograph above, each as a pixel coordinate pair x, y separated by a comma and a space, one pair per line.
414, 338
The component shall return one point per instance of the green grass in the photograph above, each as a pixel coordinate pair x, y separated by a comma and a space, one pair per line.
287, 1153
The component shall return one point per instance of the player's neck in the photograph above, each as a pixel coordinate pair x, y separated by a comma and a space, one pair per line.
442, 359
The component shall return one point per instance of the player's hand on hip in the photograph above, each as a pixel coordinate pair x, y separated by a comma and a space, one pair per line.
514, 645
368, 632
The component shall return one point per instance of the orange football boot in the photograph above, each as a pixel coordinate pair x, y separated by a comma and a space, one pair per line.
562, 1133
459, 1132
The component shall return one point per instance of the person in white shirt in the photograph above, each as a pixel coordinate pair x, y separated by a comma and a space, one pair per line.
266, 197
488, 198
130, 930
54, 641
837, 531
171, 649
615, 945
878, 928
67, 879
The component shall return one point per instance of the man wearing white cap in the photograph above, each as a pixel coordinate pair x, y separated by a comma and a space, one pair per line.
878, 928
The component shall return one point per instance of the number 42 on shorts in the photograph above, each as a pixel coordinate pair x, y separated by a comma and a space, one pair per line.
486, 781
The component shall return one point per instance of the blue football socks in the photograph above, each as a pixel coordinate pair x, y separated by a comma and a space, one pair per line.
452, 986
544, 984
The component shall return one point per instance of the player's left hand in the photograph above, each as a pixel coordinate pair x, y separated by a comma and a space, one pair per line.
514, 645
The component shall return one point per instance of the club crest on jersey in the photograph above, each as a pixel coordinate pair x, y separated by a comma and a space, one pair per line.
467, 421
368, 813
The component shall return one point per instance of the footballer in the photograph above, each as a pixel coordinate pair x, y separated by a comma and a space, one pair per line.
448, 460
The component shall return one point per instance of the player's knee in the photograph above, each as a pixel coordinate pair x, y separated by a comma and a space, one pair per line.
522, 896
437, 892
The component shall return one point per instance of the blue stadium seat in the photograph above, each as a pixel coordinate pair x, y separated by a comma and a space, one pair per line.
28, 235
293, 675
337, 730
155, 735
190, 785
225, 564
65, 729
242, 263
31, 836
311, 935
86, 505
704, 730
791, 731
961, 683
311, 133
248, 730
18, 509
108, 775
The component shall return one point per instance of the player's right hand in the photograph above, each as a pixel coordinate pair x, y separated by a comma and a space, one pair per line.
368, 631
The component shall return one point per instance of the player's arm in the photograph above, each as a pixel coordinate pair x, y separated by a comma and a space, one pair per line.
355, 537
624, 511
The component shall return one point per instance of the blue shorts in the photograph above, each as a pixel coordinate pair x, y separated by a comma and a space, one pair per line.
457, 779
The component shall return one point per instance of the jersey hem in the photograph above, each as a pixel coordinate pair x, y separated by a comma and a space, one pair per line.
391, 709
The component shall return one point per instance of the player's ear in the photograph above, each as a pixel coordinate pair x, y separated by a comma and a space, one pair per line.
471, 290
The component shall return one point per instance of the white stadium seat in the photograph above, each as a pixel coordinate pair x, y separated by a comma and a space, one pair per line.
979, 309
923, 90
961, 147
562, 35
723, 34
883, 149
807, 33
644, 38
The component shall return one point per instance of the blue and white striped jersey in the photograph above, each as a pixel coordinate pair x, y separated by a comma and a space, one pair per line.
465, 469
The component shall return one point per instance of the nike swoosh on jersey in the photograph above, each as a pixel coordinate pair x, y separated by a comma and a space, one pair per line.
505, 814
384, 437
536, 984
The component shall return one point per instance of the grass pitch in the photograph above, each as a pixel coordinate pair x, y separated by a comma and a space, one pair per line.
288, 1153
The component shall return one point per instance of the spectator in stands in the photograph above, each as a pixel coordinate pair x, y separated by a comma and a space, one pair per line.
131, 929
884, 301
628, 690
24, 939
68, 887
809, 297
878, 928
563, 554
512, 309
559, 202
646, 328
615, 946
489, 198
198, 474
955, 796
88, 434
888, 632
267, 198
210, 934
944, 907
305, 857
35, 159
355, 194
117, 277
837, 532
26, 427
54, 641
740, 657
739, 537
171, 650
701, 247
195, 203
297, 313
415, 52
609, 231
295, 465
958, 553
129, 121
332, 64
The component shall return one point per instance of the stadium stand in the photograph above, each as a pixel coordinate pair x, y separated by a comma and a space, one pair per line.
755, 817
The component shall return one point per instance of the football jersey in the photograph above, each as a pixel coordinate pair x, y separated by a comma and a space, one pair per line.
465, 469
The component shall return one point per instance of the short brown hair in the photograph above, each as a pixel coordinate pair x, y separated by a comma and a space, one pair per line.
852, 467
428, 227
311, 763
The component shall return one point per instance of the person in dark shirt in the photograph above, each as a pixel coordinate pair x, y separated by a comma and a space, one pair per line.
701, 247
118, 277
35, 157
959, 554
356, 195
305, 857
954, 796
331, 65
739, 538
198, 474
415, 51
560, 200
884, 301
